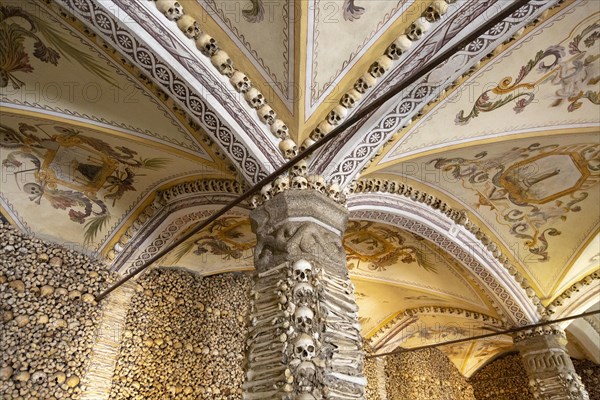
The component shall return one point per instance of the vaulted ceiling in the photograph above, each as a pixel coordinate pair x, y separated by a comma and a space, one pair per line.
473, 194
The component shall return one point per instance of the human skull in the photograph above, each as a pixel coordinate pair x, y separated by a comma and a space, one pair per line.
306, 144
189, 26
321, 130
266, 114
303, 317
435, 10
337, 114
206, 44
281, 184
351, 98
299, 169
398, 47
33, 189
317, 182
279, 129
302, 270
364, 83
170, 8
333, 191
38, 377
240, 81
255, 98
299, 183
222, 62
303, 291
380, 66
304, 347
417, 29
306, 370
255, 201
288, 148
265, 192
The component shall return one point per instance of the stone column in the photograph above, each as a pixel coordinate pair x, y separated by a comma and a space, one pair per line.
549, 368
304, 337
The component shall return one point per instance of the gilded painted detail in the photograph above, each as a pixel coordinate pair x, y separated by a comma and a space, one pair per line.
571, 66
530, 187
73, 171
48, 46
381, 247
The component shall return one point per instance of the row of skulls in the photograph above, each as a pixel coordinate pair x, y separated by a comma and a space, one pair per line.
305, 348
298, 182
208, 46
401, 45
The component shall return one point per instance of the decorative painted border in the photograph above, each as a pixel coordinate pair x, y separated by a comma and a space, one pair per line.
391, 326
355, 154
185, 195
118, 34
433, 310
456, 241
576, 296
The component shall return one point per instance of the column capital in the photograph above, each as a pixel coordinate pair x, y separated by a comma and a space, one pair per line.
299, 224
549, 368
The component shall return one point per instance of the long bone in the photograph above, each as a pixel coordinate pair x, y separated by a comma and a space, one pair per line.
255, 371
340, 323
343, 322
266, 338
350, 334
346, 304
346, 287
285, 376
276, 307
356, 380
268, 354
274, 270
260, 365
331, 309
266, 287
341, 343
283, 324
271, 282
260, 395
278, 297
261, 318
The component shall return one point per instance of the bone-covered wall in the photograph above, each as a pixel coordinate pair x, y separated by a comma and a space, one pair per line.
590, 376
425, 375
502, 379
370, 372
184, 337
49, 317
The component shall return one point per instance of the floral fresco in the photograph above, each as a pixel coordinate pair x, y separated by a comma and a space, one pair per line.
17, 26
379, 247
572, 66
72, 171
230, 238
530, 187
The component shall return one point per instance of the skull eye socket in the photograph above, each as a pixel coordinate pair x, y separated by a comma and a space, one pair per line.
299, 349
311, 348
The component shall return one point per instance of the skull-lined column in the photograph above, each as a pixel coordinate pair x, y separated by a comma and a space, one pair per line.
550, 370
304, 337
